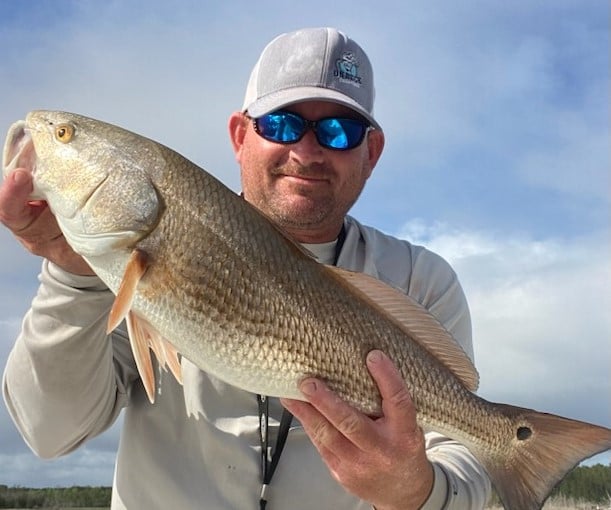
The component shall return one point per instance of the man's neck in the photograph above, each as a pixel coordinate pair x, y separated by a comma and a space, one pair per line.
314, 235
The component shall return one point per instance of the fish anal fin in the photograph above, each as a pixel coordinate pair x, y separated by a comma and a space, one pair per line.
415, 320
172, 360
144, 338
138, 339
166, 353
135, 268
542, 450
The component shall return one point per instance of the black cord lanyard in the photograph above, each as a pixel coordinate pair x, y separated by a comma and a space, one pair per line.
268, 466
270, 459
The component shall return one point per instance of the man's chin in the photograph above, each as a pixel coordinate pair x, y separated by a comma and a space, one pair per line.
302, 216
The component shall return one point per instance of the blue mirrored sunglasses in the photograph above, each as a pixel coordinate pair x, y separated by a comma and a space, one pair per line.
334, 133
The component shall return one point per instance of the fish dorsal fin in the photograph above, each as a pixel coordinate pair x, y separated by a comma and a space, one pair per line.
142, 336
416, 321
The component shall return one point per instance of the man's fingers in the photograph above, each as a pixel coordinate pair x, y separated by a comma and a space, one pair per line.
31, 221
397, 404
340, 416
14, 192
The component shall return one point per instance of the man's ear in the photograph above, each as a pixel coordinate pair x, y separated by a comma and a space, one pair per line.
375, 146
238, 124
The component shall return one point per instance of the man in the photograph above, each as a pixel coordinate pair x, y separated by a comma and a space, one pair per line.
306, 142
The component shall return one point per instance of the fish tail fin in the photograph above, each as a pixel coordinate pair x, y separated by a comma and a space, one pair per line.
544, 448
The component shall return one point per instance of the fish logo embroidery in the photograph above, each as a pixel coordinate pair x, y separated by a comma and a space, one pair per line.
347, 69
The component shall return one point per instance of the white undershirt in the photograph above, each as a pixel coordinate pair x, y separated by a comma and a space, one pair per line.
324, 252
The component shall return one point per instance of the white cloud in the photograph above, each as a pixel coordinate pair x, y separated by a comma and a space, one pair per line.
540, 315
85, 466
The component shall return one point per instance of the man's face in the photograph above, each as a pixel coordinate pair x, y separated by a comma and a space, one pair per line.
305, 188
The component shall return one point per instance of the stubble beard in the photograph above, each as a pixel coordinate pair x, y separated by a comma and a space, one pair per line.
305, 211
300, 212
305, 208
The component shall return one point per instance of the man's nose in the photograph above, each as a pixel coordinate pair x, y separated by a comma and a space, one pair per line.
307, 150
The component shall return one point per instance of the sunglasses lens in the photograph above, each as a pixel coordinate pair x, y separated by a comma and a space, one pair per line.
340, 134
281, 127
332, 133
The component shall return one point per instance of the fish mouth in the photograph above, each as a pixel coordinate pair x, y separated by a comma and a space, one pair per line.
19, 151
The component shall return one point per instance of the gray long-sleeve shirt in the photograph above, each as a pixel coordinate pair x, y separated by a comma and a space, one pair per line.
198, 446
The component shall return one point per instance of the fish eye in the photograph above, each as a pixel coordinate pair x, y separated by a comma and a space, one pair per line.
64, 133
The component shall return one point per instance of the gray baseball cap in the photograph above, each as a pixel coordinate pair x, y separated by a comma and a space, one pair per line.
311, 64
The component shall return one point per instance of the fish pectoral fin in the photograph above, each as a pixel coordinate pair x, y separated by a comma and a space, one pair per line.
144, 338
413, 318
137, 265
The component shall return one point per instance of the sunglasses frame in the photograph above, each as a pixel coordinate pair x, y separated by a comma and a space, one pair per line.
312, 125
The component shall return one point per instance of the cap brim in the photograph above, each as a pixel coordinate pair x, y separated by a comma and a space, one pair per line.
283, 98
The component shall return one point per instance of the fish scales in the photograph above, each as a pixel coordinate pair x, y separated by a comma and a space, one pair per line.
260, 295
265, 304
198, 271
271, 295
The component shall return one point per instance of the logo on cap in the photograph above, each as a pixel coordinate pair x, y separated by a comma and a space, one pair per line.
347, 69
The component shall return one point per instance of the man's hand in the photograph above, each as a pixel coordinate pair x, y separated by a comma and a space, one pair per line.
382, 460
33, 224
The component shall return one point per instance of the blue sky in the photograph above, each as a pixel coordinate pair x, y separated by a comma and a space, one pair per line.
496, 117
